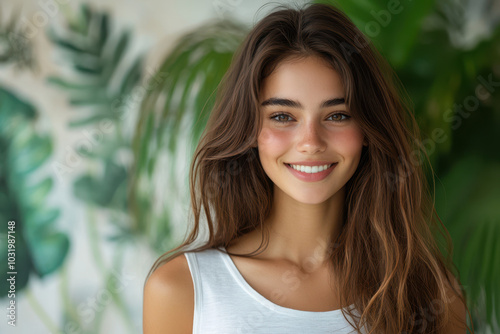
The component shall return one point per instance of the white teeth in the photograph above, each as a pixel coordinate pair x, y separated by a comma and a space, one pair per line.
310, 169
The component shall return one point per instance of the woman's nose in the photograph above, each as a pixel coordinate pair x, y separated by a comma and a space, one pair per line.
311, 139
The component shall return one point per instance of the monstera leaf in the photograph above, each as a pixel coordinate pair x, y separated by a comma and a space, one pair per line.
39, 247
105, 191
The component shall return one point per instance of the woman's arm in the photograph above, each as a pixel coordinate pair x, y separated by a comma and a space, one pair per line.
169, 299
457, 309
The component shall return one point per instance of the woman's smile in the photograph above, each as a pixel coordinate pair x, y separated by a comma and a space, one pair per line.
311, 174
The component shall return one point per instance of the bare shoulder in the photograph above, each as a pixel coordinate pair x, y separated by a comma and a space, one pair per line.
169, 299
458, 316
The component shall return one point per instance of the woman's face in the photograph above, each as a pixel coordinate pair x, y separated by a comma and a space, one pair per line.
310, 130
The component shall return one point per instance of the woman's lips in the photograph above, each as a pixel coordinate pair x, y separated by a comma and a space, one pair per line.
311, 177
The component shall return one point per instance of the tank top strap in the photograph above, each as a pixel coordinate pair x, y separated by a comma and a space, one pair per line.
218, 298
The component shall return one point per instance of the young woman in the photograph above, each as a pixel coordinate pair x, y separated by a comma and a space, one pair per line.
319, 216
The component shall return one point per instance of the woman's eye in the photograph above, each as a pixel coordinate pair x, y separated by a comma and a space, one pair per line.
277, 118
284, 118
339, 118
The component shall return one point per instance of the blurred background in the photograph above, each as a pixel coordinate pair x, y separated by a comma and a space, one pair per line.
102, 104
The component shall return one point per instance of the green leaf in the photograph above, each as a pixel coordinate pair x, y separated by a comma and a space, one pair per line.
95, 56
32, 152
62, 83
49, 252
132, 76
392, 26
100, 190
39, 247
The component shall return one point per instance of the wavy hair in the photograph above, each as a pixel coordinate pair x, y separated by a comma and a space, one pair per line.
388, 255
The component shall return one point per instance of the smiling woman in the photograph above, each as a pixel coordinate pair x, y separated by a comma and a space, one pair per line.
295, 155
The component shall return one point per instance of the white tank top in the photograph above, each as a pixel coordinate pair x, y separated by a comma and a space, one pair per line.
225, 303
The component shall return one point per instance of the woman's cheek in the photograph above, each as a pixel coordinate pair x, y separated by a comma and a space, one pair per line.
274, 140
348, 139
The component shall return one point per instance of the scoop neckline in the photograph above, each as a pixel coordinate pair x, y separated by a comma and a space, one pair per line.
266, 302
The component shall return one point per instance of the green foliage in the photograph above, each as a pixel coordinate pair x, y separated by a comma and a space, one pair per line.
192, 72
393, 26
39, 247
468, 198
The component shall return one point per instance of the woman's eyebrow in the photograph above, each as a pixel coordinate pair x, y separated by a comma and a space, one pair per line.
276, 101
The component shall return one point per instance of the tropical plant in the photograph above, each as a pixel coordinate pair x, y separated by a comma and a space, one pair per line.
101, 88
28, 224
101, 81
39, 247
172, 117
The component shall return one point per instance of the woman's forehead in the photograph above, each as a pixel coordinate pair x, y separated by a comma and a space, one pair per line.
304, 80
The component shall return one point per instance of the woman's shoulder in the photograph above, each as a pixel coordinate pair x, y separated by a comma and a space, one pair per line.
169, 298
175, 271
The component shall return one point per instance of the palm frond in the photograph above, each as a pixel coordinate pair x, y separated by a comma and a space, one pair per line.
175, 112
102, 81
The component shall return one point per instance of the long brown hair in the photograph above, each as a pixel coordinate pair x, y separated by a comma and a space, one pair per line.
391, 267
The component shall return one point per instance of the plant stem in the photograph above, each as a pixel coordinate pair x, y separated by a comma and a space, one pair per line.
97, 255
117, 297
117, 261
69, 309
94, 239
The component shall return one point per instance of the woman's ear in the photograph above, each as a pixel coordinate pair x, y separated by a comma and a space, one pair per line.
365, 142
